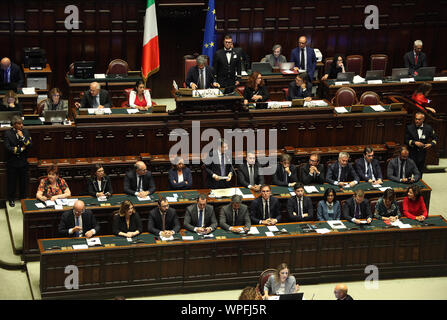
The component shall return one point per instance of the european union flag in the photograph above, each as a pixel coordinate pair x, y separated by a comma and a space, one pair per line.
209, 38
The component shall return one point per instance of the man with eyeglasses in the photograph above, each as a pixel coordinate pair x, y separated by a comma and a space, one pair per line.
304, 58
312, 172
265, 209
139, 181
95, 97
78, 222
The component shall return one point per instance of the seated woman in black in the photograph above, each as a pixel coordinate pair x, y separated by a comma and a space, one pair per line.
255, 90
337, 65
11, 102
126, 221
99, 184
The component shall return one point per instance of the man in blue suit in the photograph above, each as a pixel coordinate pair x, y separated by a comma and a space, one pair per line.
304, 58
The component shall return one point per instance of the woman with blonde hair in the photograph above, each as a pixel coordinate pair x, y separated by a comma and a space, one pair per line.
11, 102
281, 282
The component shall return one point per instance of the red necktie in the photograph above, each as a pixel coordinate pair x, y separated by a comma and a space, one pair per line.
416, 59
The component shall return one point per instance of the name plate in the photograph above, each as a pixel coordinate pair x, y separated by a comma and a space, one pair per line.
206, 93
374, 81
340, 83
440, 79
406, 80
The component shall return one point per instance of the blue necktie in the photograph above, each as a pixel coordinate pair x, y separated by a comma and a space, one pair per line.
6, 78
199, 223
357, 211
77, 225
300, 213
368, 172
222, 165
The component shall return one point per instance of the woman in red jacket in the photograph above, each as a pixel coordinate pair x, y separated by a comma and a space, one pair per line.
420, 97
414, 205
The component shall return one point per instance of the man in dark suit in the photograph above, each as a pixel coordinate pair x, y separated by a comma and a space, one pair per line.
227, 65
248, 173
163, 220
402, 168
415, 59
341, 292
139, 181
357, 208
235, 214
11, 74
301, 88
299, 207
304, 58
265, 209
200, 76
312, 172
95, 98
286, 173
342, 173
78, 222
17, 141
218, 166
368, 168
419, 137
200, 217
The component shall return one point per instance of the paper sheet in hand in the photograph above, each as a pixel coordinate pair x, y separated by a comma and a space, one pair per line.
323, 230
253, 230
310, 189
341, 110
336, 224
378, 108
147, 198
93, 241
80, 246
272, 228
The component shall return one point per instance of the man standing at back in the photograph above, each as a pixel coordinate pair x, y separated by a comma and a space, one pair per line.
227, 65
304, 58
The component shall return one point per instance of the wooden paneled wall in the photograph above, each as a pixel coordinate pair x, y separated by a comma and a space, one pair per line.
112, 29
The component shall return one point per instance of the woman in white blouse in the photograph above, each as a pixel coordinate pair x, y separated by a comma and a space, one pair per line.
140, 97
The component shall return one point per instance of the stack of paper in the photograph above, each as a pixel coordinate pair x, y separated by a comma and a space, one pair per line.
358, 79
378, 108
341, 110
253, 230
167, 239
132, 111
336, 224
323, 230
401, 225
93, 242
310, 189
227, 192
31, 90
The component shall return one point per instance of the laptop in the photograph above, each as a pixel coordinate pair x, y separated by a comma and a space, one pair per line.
374, 75
287, 65
6, 116
55, 116
426, 72
261, 67
292, 296
345, 76
398, 73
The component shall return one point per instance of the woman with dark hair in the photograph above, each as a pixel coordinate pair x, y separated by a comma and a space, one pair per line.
414, 205
54, 101
387, 207
337, 65
99, 185
140, 97
329, 208
126, 221
52, 187
11, 102
281, 282
420, 97
255, 90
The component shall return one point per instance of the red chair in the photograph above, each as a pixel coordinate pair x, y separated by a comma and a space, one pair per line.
369, 98
265, 275
345, 96
379, 62
125, 103
327, 64
286, 93
354, 63
118, 66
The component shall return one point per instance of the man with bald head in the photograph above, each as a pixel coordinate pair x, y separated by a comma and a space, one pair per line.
139, 181
11, 76
341, 292
304, 58
95, 97
78, 222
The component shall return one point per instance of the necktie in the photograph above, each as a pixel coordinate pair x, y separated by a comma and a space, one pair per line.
368, 172
252, 176
286, 176
140, 183
228, 53
402, 171
302, 59
234, 217
300, 212
357, 211
6, 78
201, 80
163, 221
96, 101
222, 165
419, 132
199, 223
77, 225
264, 209
416, 59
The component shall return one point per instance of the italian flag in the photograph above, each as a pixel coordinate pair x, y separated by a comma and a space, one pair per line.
151, 58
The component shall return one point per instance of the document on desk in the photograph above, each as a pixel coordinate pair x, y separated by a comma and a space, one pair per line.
100, 76
288, 71
310, 189
341, 110
93, 242
323, 230
340, 83
336, 224
406, 80
315, 103
40, 205
50, 203
269, 234
147, 198
227, 192
167, 239
31, 90
272, 228
374, 81
253, 230
384, 188
377, 186
79, 246
440, 79
248, 196
378, 108
132, 111
187, 238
